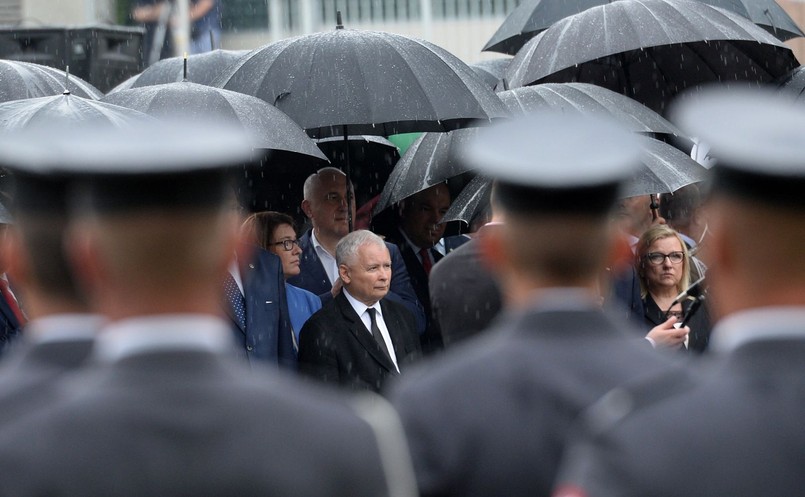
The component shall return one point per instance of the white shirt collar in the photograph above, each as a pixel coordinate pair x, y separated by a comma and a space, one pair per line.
64, 327
763, 323
163, 332
234, 270
359, 306
326, 258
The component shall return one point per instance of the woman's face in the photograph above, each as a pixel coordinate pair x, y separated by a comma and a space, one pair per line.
289, 258
666, 274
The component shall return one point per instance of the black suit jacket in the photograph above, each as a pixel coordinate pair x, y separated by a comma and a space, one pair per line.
336, 347
268, 336
313, 278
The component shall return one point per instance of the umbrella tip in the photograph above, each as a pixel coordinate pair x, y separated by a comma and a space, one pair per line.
66, 80
184, 73
338, 23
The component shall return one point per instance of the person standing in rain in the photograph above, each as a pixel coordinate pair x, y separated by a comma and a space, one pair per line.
325, 204
164, 409
738, 432
491, 416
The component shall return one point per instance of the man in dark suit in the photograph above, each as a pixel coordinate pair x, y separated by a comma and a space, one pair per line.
490, 416
360, 338
419, 238
738, 432
257, 308
165, 409
325, 205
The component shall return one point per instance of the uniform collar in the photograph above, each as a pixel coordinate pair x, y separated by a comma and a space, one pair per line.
763, 323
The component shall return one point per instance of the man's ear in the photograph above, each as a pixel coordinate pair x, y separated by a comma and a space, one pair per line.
343, 273
307, 209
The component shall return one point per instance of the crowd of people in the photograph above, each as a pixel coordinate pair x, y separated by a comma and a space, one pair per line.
157, 339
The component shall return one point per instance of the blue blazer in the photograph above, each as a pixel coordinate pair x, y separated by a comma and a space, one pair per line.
313, 278
268, 336
301, 305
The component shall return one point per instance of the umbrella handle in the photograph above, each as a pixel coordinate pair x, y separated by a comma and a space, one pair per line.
654, 206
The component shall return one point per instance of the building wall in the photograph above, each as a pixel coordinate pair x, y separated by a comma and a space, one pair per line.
34, 13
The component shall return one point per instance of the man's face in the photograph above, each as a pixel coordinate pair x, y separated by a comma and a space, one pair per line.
634, 215
328, 207
422, 212
367, 277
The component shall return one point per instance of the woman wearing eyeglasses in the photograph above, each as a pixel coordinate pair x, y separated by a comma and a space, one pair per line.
275, 232
663, 267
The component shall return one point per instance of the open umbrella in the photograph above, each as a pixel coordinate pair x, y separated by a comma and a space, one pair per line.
202, 68
353, 82
20, 80
665, 169
532, 17
651, 50
585, 97
491, 70
268, 127
65, 108
793, 82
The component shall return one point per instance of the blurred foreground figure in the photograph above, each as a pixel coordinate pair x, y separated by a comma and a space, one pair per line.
739, 432
166, 409
60, 335
490, 417
12, 318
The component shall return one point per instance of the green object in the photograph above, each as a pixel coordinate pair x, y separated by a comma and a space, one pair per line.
404, 140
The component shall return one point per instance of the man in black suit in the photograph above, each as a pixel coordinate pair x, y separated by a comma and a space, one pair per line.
738, 432
490, 416
165, 409
360, 338
325, 204
419, 238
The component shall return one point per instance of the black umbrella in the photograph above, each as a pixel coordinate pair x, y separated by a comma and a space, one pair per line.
665, 169
433, 158
20, 80
268, 127
202, 68
532, 17
593, 99
651, 50
357, 82
66, 108
373, 158
793, 82
491, 70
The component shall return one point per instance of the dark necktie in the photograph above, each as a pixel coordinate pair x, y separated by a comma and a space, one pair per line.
235, 299
376, 331
426, 262
12, 302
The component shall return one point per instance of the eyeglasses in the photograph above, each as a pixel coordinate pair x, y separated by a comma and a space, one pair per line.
657, 258
287, 244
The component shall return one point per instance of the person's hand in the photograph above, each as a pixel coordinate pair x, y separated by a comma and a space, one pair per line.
667, 336
336, 287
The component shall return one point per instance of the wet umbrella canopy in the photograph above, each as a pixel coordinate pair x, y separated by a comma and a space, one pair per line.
794, 82
491, 70
585, 97
376, 83
433, 158
202, 68
63, 109
20, 80
267, 127
651, 50
532, 17
663, 169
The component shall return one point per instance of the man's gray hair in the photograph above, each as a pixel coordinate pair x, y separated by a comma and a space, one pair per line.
347, 248
314, 180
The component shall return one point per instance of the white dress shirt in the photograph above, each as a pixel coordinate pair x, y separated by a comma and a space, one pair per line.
327, 259
360, 309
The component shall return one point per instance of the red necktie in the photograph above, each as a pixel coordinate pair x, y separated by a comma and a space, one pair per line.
12, 302
426, 262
